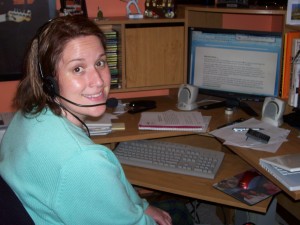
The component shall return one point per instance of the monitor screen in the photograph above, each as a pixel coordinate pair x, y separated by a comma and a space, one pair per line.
234, 63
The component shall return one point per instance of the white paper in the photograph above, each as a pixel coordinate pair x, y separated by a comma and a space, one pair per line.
173, 120
101, 125
104, 120
277, 135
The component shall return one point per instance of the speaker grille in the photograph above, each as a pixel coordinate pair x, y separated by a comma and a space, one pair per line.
184, 95
271, 110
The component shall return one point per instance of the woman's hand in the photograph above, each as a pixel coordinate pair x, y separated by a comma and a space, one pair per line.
161, 217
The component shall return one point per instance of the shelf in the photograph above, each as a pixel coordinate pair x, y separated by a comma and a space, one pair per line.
125, 20
150, 52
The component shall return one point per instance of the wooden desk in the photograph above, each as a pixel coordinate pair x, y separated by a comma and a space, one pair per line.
291, 146
189, 186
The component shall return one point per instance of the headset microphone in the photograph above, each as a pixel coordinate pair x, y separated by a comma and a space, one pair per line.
50, 87
110, 103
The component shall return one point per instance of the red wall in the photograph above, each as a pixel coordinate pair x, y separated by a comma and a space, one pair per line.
110, 7
7, 91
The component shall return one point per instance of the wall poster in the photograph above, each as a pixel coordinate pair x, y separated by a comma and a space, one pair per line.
19, 21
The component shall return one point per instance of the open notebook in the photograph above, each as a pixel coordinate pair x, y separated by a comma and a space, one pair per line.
291, 180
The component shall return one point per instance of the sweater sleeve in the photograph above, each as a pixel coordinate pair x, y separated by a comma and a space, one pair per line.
92, 189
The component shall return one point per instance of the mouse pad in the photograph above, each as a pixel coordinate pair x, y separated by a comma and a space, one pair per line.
249, 187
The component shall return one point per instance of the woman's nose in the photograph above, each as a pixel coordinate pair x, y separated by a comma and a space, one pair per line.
96, 78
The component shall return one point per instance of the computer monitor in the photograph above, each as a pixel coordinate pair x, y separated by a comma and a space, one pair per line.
245, 65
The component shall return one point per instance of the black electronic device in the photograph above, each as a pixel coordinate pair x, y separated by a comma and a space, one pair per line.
293, 119
258, 136
141, 105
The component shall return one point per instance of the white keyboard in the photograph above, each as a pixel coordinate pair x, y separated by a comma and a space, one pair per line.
171, 157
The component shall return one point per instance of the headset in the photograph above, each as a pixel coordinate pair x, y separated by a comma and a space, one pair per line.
51, 88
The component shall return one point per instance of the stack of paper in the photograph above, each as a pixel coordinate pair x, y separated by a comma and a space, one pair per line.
172, 120
231, 137
100, 126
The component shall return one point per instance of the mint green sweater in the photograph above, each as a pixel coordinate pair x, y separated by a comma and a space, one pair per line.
62, 177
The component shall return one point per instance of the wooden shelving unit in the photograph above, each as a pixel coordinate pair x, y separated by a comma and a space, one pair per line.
150, 52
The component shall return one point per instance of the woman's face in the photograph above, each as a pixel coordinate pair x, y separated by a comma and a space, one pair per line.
83, 77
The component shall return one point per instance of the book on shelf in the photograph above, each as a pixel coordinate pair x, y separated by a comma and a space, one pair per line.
249, 187
112, 59
294, 86
112, 55
295, 73
172, 120
287, 62
114, 72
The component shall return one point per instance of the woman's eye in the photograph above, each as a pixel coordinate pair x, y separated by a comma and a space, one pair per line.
78, 69
101, 63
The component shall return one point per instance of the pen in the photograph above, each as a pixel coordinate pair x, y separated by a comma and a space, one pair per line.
236, 129
233, 122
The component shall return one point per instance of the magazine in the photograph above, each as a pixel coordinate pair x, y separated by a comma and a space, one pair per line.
249, 187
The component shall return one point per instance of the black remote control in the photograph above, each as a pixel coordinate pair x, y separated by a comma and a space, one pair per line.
258, 136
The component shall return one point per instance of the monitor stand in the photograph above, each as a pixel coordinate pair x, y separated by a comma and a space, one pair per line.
231, 103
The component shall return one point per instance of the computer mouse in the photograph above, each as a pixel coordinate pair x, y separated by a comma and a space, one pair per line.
249, 180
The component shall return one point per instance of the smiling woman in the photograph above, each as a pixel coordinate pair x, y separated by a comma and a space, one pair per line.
54, 172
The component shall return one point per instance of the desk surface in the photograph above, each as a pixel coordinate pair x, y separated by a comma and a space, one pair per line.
191, 186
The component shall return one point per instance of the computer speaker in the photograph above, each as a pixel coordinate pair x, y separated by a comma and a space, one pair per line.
272, 111
187, 96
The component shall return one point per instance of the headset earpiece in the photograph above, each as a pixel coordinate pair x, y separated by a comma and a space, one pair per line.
50, 86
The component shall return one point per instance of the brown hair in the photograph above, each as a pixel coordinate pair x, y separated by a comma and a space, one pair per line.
42, 59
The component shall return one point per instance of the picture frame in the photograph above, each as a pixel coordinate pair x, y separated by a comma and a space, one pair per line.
73, 7
293, 12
